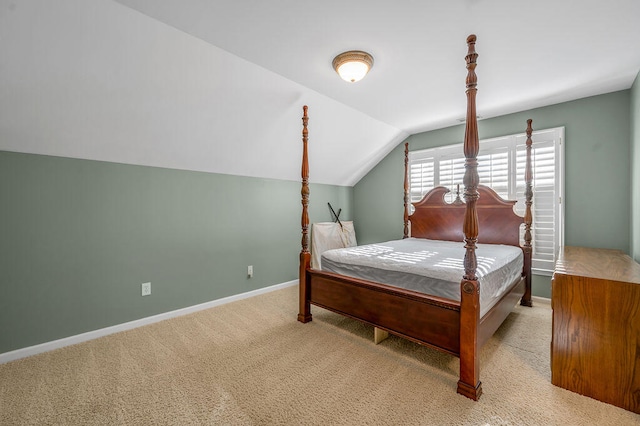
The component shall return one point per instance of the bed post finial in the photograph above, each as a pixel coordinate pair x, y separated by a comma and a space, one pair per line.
528, 217
406, 190
469, 384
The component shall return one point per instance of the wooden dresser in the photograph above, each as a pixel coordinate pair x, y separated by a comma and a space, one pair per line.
595, 345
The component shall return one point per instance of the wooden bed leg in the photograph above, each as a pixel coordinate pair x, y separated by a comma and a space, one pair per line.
304, 315
526, 297
470, 391
469, 384
379, 335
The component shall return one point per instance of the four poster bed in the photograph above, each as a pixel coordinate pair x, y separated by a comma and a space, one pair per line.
457, 321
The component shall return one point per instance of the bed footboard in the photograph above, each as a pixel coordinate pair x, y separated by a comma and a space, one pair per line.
442, 324
424, 319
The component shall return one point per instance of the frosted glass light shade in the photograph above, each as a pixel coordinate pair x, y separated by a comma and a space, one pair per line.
352, 66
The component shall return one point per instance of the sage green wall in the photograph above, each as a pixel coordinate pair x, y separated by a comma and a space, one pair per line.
597, 173
635, 168
79, 237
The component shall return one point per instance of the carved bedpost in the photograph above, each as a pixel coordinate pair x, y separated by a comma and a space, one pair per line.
471, 177
304, 315
407, 198
305, 181
469, 384
528, 219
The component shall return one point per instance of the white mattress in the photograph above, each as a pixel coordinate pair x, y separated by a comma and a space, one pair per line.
429, 266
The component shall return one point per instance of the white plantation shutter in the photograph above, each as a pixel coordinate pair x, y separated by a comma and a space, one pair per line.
493, 169
547, 176
501, 164
421, 178
451, 175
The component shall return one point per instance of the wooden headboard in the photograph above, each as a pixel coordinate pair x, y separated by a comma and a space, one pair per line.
436, 219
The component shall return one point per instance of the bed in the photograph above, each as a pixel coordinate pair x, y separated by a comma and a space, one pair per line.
457, 321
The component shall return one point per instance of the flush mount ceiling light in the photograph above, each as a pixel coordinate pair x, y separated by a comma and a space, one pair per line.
353, 65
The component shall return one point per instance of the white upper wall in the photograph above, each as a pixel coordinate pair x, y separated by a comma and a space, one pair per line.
96, 80
218, 86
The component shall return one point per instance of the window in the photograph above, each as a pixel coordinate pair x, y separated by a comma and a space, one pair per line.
501, 163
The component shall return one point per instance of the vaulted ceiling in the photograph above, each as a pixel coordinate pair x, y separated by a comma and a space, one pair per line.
218, 85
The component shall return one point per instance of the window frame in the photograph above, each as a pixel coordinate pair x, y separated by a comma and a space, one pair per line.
512, 144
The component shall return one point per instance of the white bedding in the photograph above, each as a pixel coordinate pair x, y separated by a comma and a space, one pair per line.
429, 266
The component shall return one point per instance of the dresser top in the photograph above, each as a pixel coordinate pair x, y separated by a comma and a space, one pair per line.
597, 263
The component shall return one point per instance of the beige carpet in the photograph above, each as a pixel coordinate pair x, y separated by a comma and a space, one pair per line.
251, 363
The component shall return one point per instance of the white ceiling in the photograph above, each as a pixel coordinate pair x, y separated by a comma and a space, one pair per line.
218, 86
532, 53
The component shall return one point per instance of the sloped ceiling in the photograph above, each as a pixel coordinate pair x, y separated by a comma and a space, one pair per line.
218, 86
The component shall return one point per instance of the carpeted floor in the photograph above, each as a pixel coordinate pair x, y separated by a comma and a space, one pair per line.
251, 363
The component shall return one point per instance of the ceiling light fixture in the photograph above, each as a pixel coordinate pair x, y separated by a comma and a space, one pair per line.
353, 65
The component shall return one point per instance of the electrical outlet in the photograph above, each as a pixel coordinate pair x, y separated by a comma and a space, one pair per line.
146, 289
250, 271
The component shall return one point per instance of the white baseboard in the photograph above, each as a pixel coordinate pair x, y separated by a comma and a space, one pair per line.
541, 300
90, 335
